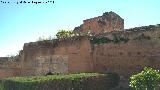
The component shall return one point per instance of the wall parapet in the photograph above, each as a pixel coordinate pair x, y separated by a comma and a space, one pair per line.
144, 28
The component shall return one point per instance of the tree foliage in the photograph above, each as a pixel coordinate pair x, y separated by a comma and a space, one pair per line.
62, 34
148, 79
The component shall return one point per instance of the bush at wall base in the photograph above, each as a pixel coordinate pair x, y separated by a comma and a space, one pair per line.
82, 81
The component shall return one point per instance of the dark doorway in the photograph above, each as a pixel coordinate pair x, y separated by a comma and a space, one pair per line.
49, 73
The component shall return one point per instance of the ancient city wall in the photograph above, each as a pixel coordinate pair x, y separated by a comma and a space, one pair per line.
9, 67
56, 56
127, 58
111, 49
78, 54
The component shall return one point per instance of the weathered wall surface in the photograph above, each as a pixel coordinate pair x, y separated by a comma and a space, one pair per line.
78, 51
9, 68
77, 55
51, 63
62, 56
130, 57
127, 58
9, 72
108, 22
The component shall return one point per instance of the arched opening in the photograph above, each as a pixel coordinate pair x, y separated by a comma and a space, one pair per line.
49, 73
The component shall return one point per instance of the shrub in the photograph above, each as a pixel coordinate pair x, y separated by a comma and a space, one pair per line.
100, 40
63, 34
115, 39
114, 78
147, 79
83, 81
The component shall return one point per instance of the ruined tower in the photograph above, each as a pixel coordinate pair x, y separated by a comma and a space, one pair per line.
108, 22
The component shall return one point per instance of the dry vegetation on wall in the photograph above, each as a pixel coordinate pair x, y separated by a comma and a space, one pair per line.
83, 81
126, 35
63, 35
117, 36
101, 40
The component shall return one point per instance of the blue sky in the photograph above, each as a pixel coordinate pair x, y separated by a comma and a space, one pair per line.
23, 23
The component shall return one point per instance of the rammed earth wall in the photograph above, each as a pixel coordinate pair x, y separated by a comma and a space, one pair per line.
64, 56
79, 54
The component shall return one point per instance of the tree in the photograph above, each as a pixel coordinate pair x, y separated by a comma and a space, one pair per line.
148, 79
62, 34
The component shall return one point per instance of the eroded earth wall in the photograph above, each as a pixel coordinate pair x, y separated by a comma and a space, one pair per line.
56, 56
9, 68
127, 58
108, 22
